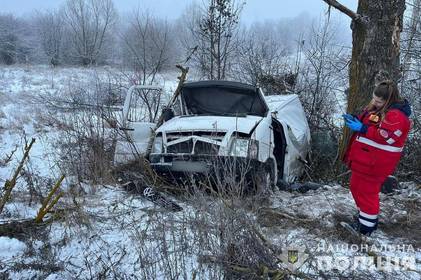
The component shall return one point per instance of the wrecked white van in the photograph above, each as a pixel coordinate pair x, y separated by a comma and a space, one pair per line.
214, 120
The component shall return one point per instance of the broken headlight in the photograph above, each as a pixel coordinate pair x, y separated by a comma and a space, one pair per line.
241, 147
157, 145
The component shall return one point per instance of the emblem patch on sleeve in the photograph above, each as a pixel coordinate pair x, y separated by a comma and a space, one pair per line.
384, 133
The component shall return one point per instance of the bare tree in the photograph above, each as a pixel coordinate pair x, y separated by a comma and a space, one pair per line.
147, 47
15, 40
90, 23
261, 54
146, 44
214, 33
321, 75
321, 80
376, 29
264, 53
50, 29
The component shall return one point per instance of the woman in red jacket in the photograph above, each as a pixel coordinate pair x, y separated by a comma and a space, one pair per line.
375, 149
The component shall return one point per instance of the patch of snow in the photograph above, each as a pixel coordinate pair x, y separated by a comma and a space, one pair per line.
21, 210
11, 248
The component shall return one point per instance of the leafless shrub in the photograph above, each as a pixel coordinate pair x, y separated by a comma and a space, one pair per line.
410, 87
231, 237
35, 183
232, 179
207, 241
86, 142
86, 148
261, 55
321, 86
411, 157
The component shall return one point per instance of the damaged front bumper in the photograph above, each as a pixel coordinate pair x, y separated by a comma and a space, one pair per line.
203, 164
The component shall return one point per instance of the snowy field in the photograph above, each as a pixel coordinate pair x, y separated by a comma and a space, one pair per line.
101, 231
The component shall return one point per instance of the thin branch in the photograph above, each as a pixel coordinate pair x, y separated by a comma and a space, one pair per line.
47, 205
343, 9
10, 184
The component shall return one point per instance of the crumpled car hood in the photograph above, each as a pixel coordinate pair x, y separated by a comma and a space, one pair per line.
210, 123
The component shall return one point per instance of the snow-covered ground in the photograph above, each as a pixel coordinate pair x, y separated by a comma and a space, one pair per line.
104, 232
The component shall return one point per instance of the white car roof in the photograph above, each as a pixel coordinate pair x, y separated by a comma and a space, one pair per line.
290, 111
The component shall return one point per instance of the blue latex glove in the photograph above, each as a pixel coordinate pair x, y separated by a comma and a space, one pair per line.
354, 124
348, 117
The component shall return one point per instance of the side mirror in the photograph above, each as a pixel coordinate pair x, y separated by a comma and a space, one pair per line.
167, 114
274, 114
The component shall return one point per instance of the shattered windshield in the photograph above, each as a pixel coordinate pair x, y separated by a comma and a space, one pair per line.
223, 101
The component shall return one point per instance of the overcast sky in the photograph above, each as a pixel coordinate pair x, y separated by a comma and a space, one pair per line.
254, 10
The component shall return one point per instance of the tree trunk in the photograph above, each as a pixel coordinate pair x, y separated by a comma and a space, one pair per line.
375, 47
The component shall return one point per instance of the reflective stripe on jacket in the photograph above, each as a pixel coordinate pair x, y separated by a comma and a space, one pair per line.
377, 152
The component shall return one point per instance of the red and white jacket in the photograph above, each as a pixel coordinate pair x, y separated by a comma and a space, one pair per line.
377, 151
